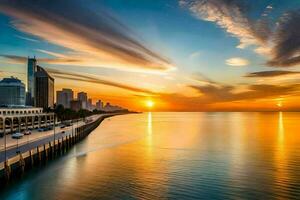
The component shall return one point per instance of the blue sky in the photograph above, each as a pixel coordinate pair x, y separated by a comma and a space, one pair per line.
157, 46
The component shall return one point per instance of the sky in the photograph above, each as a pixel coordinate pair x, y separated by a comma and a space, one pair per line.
183, 55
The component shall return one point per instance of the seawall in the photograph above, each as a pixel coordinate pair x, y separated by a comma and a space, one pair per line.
40, 155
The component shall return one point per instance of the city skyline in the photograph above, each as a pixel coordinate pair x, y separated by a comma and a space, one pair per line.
40, 93
223, 55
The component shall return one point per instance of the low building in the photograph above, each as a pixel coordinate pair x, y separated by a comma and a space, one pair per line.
23, 118
112, 108
12, 92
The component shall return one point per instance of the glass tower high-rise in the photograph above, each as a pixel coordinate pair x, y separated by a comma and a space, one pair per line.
44, 89
31, 69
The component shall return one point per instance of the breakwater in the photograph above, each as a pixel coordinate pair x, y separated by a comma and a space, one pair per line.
40, 155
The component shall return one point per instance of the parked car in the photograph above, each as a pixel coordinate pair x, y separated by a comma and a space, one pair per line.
27, 132
40, 130
17, 135
63, 132
63, 126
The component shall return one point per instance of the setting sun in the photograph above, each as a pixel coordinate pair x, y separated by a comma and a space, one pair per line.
149, 104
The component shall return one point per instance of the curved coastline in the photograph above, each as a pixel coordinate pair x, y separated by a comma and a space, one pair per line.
37, 153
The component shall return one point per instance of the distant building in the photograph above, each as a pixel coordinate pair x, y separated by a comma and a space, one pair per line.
12, 92
44, 89
76, 105
31, 69
64, 97
82, 96
99, 105
111, 108
90, 104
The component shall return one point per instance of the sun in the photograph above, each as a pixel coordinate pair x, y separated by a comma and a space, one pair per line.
149, 104
279, 104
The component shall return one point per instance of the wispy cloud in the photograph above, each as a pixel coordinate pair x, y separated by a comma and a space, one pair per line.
237, 61
225, 93
195, 55
231, 16
273, 73
26, 38
93, 38
286, 49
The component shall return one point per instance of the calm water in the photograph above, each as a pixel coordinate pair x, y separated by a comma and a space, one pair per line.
176, 156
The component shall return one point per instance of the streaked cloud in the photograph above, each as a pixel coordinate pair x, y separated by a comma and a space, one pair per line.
224, 93
278, 41
93, 38
231, 16
92, 79
273, 73
286, 48
237, 61
26, 38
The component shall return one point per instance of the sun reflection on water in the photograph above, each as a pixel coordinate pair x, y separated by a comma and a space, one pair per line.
149, 132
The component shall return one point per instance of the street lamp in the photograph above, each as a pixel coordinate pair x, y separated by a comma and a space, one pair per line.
54, 130
4, 134
18, 151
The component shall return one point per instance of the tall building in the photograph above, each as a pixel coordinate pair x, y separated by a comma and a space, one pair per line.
99, 105
12, 92
31, 69
76, 105
44, 89
82, 96
64, 97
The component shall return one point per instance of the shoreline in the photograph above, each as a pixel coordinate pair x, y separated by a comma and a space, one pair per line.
39, 152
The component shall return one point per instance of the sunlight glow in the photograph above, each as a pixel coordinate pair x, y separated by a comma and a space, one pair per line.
279, 104
149, 104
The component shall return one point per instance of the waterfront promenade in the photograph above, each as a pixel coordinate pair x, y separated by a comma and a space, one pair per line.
40, 138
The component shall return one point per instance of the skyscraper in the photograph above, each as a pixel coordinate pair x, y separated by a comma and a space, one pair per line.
64, 97
12, 92
44, 89
31, 69
82, 96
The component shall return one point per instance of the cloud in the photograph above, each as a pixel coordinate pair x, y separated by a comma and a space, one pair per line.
93, 38
278, 41
231, 16
274, 73
26, 38
225, 93
237, 62
92, 79
14, 59
286, 49
22, 59
194, 55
